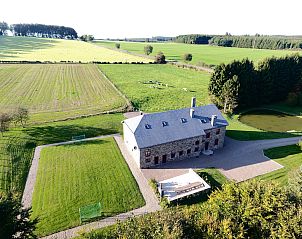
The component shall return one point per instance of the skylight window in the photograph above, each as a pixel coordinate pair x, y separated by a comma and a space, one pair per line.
183, 120
148, 126
165, 123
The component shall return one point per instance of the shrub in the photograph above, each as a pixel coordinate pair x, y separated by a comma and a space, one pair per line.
292, 99
187, 57
118, 45
160, 58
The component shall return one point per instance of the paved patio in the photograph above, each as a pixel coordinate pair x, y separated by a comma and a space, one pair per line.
238, 160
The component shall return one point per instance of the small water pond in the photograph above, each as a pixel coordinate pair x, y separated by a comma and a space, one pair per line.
269, 120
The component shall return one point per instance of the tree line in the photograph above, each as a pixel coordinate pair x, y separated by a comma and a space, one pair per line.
258, 42
41, 30
193, 39
241, 84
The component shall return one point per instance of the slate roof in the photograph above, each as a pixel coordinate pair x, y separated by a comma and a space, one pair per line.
149, 129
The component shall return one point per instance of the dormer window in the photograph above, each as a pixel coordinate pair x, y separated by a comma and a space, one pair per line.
147, 126
165, 123
183, 120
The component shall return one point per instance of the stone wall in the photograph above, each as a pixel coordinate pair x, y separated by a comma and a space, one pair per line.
191, 147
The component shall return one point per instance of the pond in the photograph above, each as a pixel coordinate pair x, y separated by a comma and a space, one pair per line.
269, 120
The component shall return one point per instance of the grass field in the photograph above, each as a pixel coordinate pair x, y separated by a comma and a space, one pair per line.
134, 81
72, 176
288, 156
42, 49
17, 145
56, 91
210, 55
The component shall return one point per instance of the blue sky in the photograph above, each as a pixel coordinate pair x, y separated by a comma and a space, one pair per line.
140, 18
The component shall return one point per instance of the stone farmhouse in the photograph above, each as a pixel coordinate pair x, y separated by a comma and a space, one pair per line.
154, 139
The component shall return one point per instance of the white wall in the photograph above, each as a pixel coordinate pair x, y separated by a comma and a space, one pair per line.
130, 143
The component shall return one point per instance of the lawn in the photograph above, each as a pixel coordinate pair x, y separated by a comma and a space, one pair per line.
56, 91
211, 55
72, 176
42, 49
17, 145
288, 156
153, 88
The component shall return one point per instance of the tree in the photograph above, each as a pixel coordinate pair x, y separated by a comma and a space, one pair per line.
87, 38
187, 57
230, 94
21, 116
148, 49
160, 58
118, 45
14, 221
3, 27
5, 120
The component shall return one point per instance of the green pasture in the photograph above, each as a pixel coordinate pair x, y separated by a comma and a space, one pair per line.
288, 156
154, 88
17, 145
42, 49
56, 91
72, 176
211, 55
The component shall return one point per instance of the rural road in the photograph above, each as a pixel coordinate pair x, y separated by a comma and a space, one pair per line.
238, 160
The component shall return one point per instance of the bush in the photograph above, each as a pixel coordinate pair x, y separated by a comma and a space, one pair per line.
187, 57
160, 58
118, 45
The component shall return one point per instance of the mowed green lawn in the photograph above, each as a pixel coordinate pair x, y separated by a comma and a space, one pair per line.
42, 49
288, 156
17, 145
175, 90
56, 91
72, 176
211, 55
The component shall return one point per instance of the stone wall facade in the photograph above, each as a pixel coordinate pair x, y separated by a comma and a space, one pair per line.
182, 149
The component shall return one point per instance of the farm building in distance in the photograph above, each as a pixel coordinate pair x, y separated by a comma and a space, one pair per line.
154, 139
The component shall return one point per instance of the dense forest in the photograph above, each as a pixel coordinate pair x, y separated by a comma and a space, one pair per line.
40, 30
241, 84
258, 42
193, 39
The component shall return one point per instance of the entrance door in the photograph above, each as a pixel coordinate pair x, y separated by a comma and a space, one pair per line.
164, 158
156, 160
206, 147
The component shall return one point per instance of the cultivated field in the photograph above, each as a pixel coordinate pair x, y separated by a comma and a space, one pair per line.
42, 49
72, 176
155, 88
201, 53
56, 91
288, 156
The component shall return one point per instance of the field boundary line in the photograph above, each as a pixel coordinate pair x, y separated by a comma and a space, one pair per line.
128, 102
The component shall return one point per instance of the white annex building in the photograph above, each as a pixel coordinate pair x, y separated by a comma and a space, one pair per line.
154, 139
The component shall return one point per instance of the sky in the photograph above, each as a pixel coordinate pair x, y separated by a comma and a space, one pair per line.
141, 18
